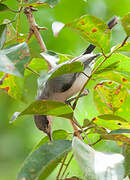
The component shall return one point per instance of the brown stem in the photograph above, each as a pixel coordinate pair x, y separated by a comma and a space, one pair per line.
96, 142
63, 162
34, 72
67, 165
123, 43
34, 27
76, 131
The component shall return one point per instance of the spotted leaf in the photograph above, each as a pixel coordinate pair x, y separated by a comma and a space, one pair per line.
93, 30
13, 60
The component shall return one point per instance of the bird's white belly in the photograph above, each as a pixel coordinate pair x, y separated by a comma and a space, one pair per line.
75, 88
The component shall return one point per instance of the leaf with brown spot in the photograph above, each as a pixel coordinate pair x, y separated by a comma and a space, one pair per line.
122, 135
44, 157
12, 60
93, 30
14, 87
109, 96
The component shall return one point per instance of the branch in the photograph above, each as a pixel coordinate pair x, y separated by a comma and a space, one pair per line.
34, 28
63, 162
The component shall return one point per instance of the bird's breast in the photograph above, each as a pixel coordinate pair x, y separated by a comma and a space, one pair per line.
75, 88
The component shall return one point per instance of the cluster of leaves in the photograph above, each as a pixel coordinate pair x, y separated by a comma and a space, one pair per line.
110, 94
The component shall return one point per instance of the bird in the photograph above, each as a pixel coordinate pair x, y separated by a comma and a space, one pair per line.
63, 87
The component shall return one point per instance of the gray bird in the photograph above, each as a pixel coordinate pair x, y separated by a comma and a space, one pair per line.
63, 87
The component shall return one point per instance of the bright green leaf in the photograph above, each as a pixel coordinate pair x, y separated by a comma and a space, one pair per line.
109, 96
93, 30
97, 165
67, 68
14, 87
119, 77
14, 59
36, 64
126, 24
40, 160
3, 29
111, 124
116, 62
46, 107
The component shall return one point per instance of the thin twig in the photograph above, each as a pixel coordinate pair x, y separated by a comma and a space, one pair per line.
34, 27
63, 162
67, 165
18, 21
29, 36
96, 142
34, 72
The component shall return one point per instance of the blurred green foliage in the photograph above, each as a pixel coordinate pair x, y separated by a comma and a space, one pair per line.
17, 140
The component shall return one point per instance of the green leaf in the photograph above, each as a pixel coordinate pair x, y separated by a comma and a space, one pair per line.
126, 153
13, 60
126, 23
46, 107
39, 161
12, 36
117, 137
57, 134
125, 48
97, 165
116, 62
3, 29
111, 124
3, 7
67, 68
111, 117
109, 96
36, 64
119, 77
93, 30
120, 131
122, 135
14, 87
